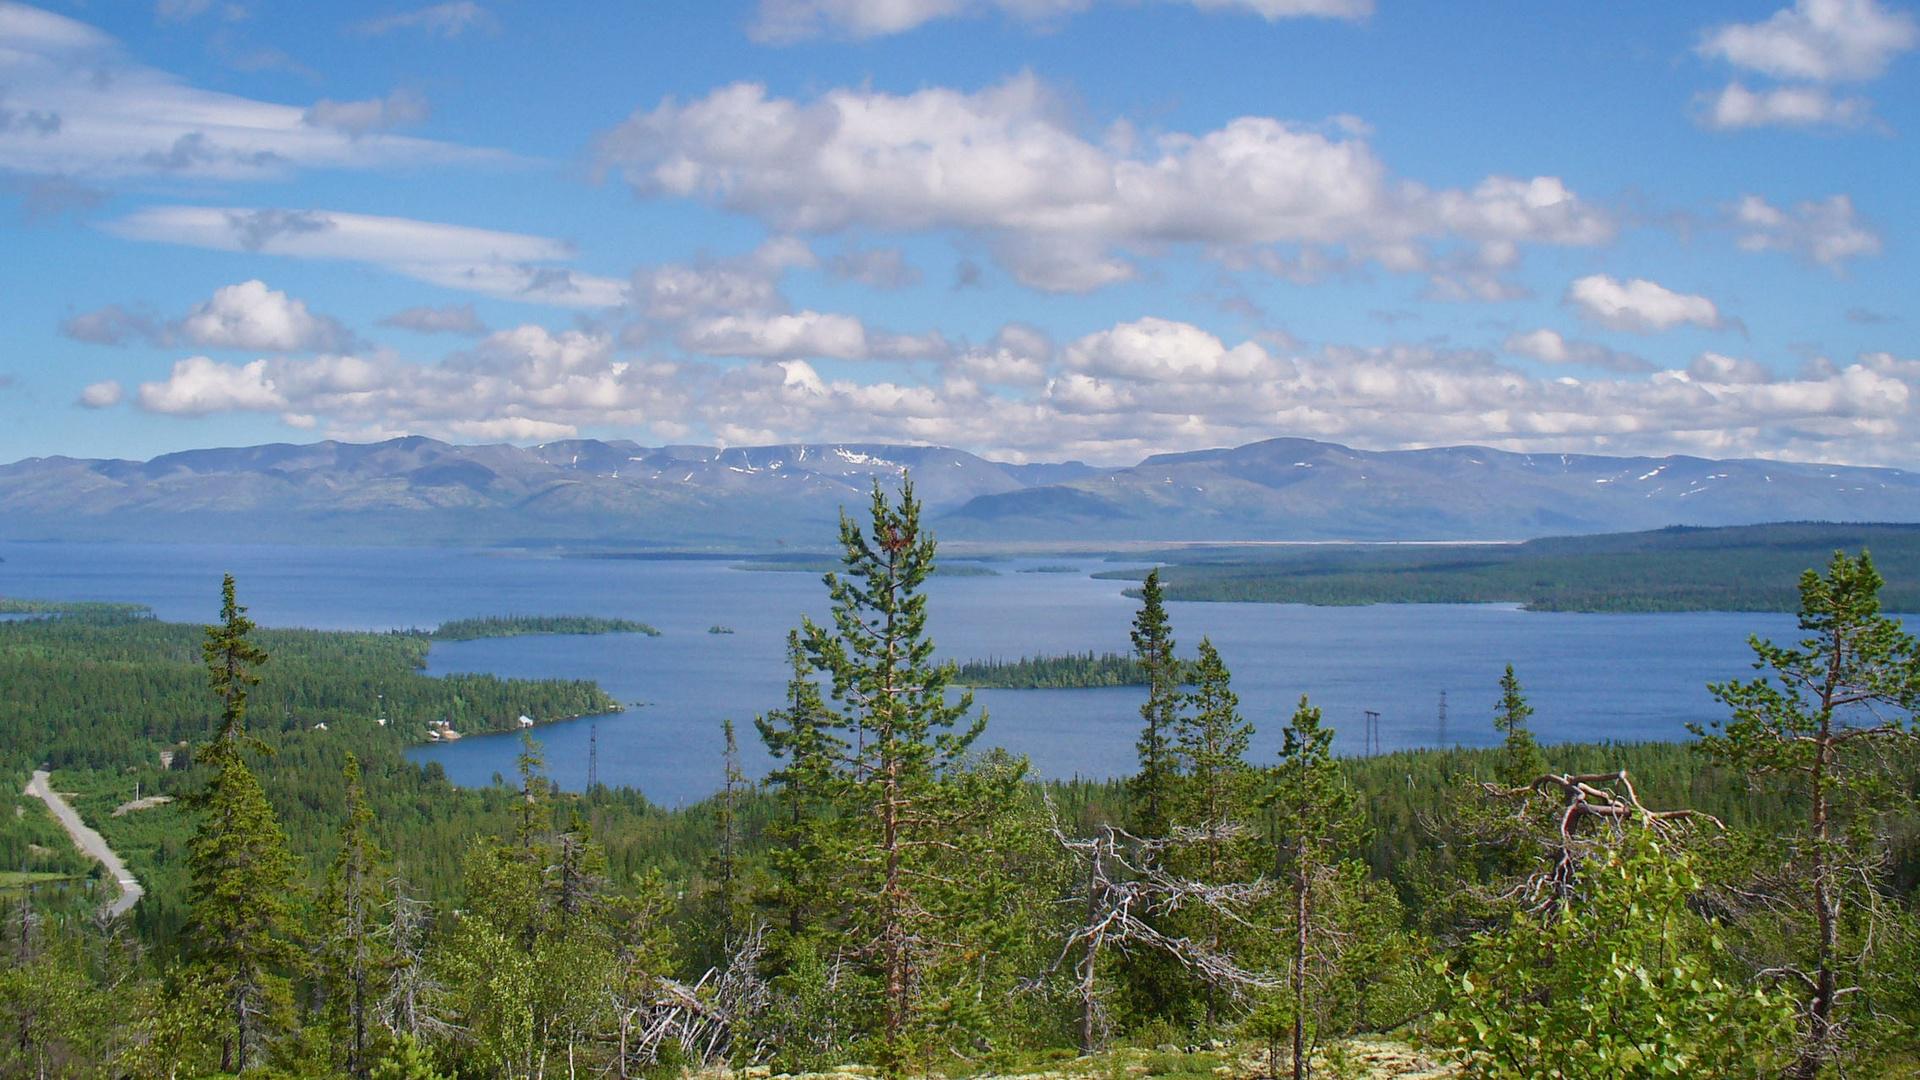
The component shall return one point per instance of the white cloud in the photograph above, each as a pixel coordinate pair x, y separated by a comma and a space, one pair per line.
1638, 304
1018, 355
1736, 107
118, 119
1115, 394
523, 383
673, 292
1550, 347
1713, 367
1820, 40
801, 334
1160, 350
252, 316
513, 266
199, 385
1825, 231
102, 395
448, 20
249, 315
787, 21
398, 109
1058, 209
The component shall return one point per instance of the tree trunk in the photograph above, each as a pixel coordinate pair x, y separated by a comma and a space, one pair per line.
1300, 883
1087, 1002
1819, 1046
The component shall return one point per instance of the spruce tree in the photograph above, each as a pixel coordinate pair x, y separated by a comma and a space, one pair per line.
725, 870
1215, 793
350, 950
1520, 757
1317, 823
242, 873
1150, 791
798, 736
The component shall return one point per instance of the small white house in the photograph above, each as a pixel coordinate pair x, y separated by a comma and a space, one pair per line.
525, 720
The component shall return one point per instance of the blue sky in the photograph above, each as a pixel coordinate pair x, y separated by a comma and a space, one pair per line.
1037, 229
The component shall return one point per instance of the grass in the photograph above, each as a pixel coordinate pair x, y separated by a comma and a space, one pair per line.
20, 879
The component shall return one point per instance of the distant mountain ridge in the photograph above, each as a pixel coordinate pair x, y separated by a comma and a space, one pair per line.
417, 490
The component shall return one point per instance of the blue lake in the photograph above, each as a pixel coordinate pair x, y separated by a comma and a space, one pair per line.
1590, 677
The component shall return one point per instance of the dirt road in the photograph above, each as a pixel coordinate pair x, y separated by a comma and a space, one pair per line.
89, 842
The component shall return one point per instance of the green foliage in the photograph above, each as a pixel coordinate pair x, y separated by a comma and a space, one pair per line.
500, 626
1624, 982
1520, 758
1151, 789
406, 1059
1071, 671
1743, 568
243, 874
914, 848
1821, 724
798, 736
90, 610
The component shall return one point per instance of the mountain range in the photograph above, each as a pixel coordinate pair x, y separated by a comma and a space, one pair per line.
619, 494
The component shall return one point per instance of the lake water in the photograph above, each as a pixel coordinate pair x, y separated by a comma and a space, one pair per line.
1589, 677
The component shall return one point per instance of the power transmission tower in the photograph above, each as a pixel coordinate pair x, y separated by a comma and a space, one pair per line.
593, 756
1373, 731
1440, 736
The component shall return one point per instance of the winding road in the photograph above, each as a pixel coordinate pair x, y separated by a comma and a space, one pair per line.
88, 841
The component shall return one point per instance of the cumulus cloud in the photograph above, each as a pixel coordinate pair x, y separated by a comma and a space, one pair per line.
1018, 355
1059, 210
803, 333
1550, 347
446, 319
1713, 367
1819, 40
1826, 231
448, 20
523, 383
199, 385
252, 316
1112, 395
787, 21
1735, 107
249, 315
1160, 350
513, 266
102, 395
118, 119
1638, 305
398, 109
746, 285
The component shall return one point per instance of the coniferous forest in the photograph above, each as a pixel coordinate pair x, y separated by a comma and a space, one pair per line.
897, 894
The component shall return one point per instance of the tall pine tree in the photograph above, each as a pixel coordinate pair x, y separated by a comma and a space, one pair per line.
1820, 725
1150, 791
351, 952
242, 873
907, 806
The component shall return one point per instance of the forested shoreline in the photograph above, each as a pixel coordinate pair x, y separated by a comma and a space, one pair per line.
1736, 568
898, 893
